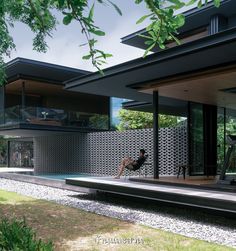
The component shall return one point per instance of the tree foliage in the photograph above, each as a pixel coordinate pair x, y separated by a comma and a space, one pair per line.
134, 120
39, 16
16, 235
141, 120
168, 121
164, 23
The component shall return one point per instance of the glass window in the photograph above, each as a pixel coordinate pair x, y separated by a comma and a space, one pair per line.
196, 139
115, 107
230, 121
220, 138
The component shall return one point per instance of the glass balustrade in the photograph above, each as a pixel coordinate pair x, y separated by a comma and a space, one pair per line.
53, 117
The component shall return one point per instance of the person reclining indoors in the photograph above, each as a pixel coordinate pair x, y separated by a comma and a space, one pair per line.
131, 164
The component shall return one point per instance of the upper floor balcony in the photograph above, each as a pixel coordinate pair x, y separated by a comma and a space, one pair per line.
51, 119
33, 102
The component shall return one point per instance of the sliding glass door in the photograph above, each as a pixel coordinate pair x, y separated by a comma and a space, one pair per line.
196, 143
202, 139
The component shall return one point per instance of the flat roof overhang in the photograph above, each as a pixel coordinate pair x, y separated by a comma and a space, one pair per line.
194, 19
129, 80
38, 88
214, 87
22, 68
177, 107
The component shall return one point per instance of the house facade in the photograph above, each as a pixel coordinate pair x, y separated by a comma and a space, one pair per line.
195, 80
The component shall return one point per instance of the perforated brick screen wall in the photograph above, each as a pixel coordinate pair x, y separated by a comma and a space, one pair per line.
100, 153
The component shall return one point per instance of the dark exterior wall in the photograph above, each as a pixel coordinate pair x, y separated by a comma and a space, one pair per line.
81, 103
100, 153
232, 21
14, 100
2, 98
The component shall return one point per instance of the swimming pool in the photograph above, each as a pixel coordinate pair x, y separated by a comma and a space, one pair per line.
52, 176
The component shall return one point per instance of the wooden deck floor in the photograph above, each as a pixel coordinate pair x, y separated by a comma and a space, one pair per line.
194, 182
180, 180
195, 197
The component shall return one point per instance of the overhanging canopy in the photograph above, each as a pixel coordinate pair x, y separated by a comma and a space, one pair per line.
125, 80
22, 68
194, 19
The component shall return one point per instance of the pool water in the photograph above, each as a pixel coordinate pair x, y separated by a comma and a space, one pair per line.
53, 176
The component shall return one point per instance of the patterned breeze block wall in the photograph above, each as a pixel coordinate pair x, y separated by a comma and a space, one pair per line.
99, 153
173, 149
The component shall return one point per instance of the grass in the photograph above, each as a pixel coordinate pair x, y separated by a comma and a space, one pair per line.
74, 229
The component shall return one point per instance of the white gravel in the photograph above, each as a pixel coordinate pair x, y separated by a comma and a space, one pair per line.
216, 232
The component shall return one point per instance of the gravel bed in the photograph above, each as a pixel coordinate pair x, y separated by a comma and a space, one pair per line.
215, 230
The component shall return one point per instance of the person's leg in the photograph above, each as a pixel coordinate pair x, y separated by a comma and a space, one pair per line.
125, 162
120, 172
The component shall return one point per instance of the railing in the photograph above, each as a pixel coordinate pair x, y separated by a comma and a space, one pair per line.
53, 117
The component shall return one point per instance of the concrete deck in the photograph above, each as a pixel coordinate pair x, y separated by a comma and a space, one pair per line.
193, 197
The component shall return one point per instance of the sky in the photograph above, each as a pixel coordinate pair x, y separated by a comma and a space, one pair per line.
64, 47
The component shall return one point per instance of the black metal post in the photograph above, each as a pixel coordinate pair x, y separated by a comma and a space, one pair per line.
189, 163
8, 153
2, 103
109, 113
224, 133
156, 134
23, 95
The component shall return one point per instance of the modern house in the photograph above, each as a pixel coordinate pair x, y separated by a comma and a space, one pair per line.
195, 79
59, 107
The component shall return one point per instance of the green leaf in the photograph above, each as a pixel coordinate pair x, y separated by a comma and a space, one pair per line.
61, 3
144, 36
116, 7
107, 55
98, 32
177, 4
91, 13
180, 20
175, 1
162, 46
191, 2
175, 39
149, 42
86, 57
149, 49
217, 3
67, 19
199, 5
143, 18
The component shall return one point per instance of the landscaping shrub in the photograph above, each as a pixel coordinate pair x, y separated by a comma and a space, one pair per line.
15, 235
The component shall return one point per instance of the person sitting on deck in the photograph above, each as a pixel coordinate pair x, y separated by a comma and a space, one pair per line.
131, 164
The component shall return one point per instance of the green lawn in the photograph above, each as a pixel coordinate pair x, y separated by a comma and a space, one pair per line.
74, 229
